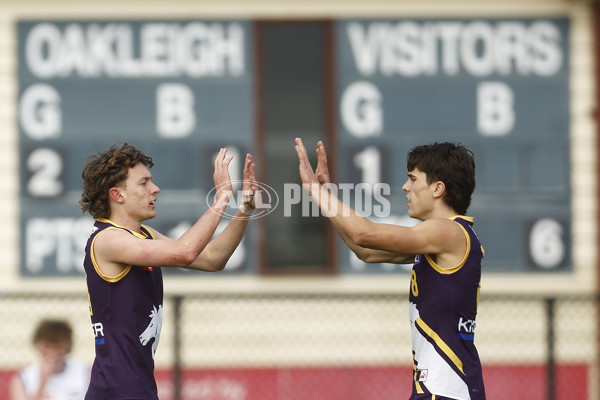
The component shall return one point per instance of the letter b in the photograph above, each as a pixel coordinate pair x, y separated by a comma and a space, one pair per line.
175, 117
495, 111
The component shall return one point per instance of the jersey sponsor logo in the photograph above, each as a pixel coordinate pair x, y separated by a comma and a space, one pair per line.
421, 375
153, 329
98, 332
466, 328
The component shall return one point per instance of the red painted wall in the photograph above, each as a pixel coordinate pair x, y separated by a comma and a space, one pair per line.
522, 382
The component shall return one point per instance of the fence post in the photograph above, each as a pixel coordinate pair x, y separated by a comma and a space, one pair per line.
177, 381
550, 362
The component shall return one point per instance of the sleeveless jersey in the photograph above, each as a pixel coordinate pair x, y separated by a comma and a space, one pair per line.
442, 307
69, 384
126, 313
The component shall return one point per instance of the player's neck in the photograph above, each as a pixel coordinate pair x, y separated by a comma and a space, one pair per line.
125, 221
442, 210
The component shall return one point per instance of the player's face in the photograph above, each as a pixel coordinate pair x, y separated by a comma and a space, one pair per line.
140, 193
419, 194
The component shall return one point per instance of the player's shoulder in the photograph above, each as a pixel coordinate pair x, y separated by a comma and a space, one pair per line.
111, 235
436, 224
442, 232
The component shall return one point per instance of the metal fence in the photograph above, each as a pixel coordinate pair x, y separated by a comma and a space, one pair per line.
328, 346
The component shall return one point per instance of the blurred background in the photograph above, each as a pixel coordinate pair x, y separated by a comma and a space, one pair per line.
294, 315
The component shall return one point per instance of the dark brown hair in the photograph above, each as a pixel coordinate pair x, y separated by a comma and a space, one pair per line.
106, 170
53, 331
451, 163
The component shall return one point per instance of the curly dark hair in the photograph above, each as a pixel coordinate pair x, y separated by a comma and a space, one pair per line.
451, 163
103, 171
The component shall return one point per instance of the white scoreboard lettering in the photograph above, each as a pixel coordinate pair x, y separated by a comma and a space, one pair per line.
498, 86
40, 113
495, 109
175, 115
132, 50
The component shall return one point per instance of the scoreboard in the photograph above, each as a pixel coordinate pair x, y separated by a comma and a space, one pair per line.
177, 90
501, 87
180, 90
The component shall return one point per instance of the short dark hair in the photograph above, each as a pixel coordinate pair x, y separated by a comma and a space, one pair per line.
103, 171
451, 163
53, 331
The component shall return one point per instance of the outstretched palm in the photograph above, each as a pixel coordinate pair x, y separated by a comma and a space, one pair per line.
322, 170
249, 186
221, 176
307, 175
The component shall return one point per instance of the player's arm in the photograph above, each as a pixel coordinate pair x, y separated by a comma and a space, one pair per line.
115, 248
373, 242
323, 177
217, 252
393, 243
369, 255
434, 236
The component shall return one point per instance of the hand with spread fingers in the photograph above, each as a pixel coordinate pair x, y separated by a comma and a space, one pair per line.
221, 176
249, 187
322, 170
307, 175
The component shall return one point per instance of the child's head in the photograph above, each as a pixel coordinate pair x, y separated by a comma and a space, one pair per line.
53, 339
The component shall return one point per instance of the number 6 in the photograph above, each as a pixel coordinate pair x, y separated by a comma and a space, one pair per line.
546, 243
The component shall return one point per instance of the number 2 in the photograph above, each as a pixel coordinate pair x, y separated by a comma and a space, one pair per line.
46, 166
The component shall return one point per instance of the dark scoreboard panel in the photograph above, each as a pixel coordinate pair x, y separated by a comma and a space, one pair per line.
500, 87
177, 90
181, 89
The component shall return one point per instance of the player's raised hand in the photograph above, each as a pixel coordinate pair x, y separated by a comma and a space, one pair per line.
307, 175
249, 186
221, 175
322, 170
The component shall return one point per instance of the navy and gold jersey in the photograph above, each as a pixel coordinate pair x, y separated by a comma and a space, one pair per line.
126, 313
443, 307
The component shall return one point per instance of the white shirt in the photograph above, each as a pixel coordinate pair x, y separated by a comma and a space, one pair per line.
69, 384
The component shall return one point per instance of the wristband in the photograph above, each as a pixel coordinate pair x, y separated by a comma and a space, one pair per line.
246, 210
248, 204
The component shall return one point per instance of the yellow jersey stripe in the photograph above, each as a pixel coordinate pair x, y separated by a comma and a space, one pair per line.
448, 271
97, 268
419, 388
141, 235
441, 344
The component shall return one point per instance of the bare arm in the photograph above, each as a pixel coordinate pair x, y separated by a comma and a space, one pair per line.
215, 255
17, 391
373, 242
363, 253
314, 182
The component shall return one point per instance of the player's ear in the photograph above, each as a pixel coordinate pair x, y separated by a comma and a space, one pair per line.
116, 195
439, 188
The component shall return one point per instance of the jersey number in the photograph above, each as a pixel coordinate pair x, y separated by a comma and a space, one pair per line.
413, 283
